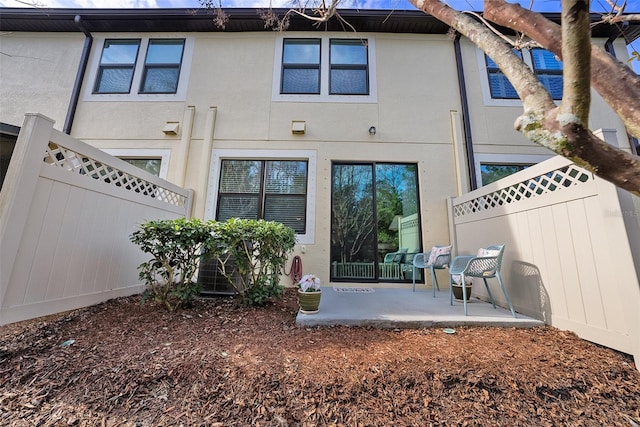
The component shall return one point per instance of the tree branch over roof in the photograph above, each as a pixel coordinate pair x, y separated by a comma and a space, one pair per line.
562, 129
613, 80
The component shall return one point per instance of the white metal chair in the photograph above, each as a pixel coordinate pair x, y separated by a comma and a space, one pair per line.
440, 261
486, 265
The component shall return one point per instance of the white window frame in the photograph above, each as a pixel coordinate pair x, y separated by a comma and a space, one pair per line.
506, 159
324, 96
484, 81
143, 153
229, 154
138, 72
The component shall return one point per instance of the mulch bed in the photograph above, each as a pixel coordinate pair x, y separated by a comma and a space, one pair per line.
218, 364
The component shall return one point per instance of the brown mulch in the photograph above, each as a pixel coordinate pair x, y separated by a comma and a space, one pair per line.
218, 364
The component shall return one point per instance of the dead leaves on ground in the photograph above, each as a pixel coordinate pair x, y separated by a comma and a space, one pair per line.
218, 364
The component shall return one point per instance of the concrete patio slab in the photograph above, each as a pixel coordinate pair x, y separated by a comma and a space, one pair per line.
400, 307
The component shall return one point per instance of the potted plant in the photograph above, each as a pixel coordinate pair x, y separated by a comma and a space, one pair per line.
456, 286
309, 294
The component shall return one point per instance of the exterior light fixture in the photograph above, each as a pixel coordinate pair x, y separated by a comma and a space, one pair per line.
372, 130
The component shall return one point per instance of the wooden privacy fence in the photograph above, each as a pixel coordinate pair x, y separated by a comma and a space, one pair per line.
572, 249
66, 212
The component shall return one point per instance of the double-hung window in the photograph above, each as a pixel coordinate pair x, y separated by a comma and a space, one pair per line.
325, 70
543, 63
274, 190
122, 71
549, 71
162, 66
349, 68
301, 66
499, 85
117, 65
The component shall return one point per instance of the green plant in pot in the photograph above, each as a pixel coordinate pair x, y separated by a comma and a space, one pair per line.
309, 293
456, 286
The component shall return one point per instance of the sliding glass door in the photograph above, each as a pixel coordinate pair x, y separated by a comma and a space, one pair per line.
375, 228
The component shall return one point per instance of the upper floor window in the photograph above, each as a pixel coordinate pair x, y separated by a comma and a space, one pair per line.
544, 63
301, 66
349, 67
500, 86
549, 71
130, 68
162, 66
324, 70
117, 65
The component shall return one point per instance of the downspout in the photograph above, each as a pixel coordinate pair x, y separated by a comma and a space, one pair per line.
77, 85
465, 114
608, 46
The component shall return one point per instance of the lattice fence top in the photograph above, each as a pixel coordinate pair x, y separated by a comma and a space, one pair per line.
81, 164
549, 182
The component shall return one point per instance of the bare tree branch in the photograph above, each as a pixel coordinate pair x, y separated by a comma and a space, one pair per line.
612, 19
613, 80
541, 121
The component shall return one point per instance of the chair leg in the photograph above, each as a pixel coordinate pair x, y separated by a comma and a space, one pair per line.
434, 281
414, 278
506, 295
464, 293
486, 285
450, 289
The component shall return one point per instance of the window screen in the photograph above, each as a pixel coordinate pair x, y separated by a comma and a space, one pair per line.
301, 66
117, 64
349, 67
162, 66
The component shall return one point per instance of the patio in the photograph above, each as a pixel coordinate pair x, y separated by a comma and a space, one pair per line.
399, 307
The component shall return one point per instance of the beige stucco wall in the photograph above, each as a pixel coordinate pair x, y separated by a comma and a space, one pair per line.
37, 73
417, 96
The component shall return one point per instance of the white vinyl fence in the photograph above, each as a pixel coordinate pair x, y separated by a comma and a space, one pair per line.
571, 239
66, 212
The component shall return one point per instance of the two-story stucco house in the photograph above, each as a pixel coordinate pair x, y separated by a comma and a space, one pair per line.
354, 139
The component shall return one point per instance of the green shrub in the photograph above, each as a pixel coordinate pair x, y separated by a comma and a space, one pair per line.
251, 255
257, 251
176, 247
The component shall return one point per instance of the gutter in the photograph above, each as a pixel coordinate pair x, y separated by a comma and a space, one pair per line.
77, 85
464, 102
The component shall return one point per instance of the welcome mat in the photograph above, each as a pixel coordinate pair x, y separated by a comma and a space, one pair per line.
354, 290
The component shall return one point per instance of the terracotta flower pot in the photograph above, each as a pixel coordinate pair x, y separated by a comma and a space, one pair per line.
309, 301
457, 292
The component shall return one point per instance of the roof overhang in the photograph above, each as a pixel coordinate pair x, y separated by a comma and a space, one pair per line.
240, 20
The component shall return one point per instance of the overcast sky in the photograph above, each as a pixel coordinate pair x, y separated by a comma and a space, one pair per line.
540, 5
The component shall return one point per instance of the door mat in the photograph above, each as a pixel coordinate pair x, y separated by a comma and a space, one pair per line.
354, 290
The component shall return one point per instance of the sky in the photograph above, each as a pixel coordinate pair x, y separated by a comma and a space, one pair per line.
540, 5
633, 6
